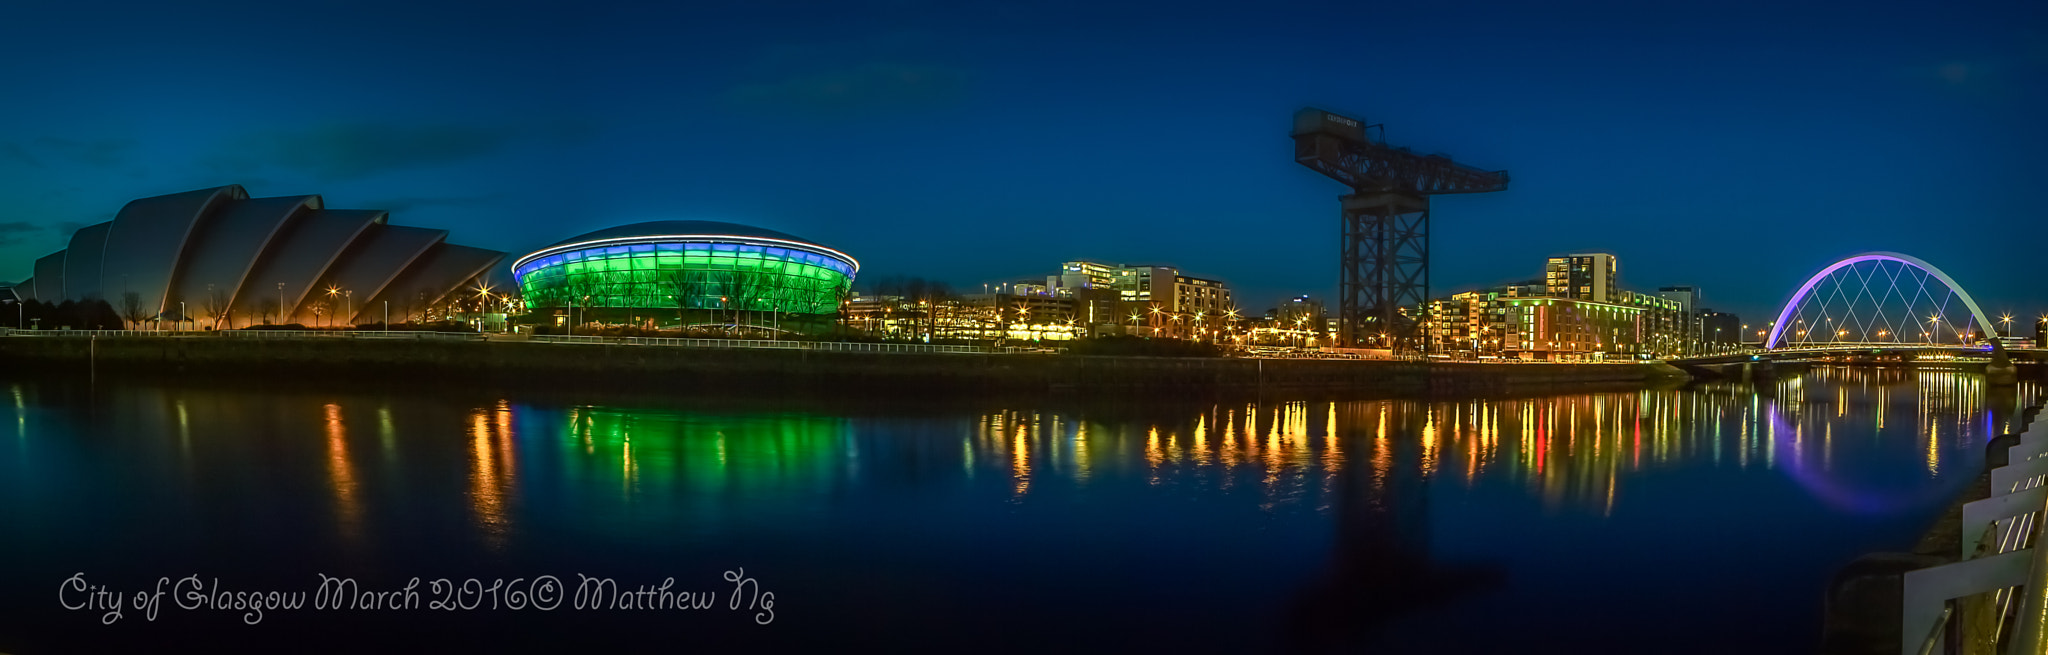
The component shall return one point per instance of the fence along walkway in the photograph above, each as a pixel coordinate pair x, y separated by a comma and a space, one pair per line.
2004, 570
411, 335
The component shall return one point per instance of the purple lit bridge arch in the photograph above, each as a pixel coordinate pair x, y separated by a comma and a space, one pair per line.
1786, 316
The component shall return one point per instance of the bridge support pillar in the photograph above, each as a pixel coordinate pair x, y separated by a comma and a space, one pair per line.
2001, 370
1761, 370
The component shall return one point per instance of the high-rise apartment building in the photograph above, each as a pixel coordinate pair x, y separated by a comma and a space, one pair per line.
1720, 330
1688, 299
1582, 276
1575, 313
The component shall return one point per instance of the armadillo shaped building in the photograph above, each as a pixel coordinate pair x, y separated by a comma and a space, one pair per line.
226, 259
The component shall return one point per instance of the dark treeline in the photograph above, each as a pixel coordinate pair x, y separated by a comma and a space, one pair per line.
921, 296
911, 288
77, 315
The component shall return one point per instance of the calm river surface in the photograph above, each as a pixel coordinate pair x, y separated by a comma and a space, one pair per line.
1706, 519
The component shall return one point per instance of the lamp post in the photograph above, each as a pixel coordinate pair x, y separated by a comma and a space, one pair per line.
484, 301
280, 303
387, 317
332, 293
181, 314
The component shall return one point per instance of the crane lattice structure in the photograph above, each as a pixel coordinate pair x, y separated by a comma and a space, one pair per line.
1384, 261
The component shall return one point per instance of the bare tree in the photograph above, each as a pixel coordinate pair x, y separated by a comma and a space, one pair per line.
936, 293
266, 307
131, 309
686, 288
213, 306
722, 283
749, 289
580, 288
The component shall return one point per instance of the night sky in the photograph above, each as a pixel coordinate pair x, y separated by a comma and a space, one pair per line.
1737, 148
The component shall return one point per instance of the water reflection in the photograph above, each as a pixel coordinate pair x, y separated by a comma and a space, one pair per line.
1575, 453
491, 473
1360, 509
348, 512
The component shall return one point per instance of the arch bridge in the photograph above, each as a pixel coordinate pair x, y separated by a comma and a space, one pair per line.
1877, 306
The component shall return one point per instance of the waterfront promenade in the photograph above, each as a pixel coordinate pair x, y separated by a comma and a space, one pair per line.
711, 365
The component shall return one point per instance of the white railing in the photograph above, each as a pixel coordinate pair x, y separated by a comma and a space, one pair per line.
2000, 557
254, 334
833, 346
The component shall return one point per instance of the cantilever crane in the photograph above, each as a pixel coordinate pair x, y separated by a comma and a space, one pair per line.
1385, 248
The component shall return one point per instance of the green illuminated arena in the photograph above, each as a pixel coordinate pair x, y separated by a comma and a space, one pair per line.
684, 266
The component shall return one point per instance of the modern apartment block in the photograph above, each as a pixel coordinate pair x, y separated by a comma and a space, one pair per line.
1575, 313
1582, 276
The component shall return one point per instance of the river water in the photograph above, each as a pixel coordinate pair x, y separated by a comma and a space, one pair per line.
1706, 519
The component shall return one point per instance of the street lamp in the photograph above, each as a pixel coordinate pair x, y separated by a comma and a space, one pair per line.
332, 293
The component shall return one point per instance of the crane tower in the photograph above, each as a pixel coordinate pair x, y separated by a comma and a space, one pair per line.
1384, 252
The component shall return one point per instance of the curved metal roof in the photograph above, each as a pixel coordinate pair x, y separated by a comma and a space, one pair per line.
681, 228
149, 238
224, 254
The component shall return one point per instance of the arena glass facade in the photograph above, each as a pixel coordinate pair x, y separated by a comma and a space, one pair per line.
687, 265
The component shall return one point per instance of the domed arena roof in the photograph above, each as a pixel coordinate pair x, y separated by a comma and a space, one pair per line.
687, 266
681, 228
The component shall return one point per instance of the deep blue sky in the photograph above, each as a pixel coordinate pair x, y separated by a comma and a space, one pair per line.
1738, 148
